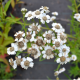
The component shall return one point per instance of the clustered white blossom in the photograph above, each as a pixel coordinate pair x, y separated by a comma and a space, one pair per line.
42, 44
77, 16
23, 10
23, 62
77, 78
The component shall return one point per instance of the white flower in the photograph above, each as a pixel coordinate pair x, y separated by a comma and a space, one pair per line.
62, 70
55, 13
76, 15
12, 50
77, 79
44, 18
30, 37
23, 9
40, 42
18, 60
34, 51
47, 52
19, 36
63, 59
74, 57
78, 18
34, 27
22, 45
56, 73
52, 18
45, 9
13, 63
62, 36
57, 43
27, 62
48, 36
57, 27
37, 13
64, 49
29, 15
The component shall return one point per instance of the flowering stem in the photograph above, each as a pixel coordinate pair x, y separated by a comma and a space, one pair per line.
23, 26
71, 36
46, 25
46, 28
33, 20
58, 67
76, 6
39, 22
27, 55
67, 76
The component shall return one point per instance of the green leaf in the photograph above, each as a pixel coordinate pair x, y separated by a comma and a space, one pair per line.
48, 78
1, 12
7, 28
7, 6
41, 58
13, 3
1, 60
12, 20
18, 52
28, 44
12, 15
76, 69
67, 76
8, 41
1, 25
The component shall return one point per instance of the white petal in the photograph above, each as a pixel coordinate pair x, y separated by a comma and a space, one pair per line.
44, 56
31, 64
21, 39
29, 59
43, 52
51, 56
48, 57
58, 60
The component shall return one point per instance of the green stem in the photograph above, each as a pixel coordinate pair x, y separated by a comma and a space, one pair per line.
71, 36
39, 22
33, 21
57, 67
46, 25
27, 55
67, 76
23, 26
76, 6
46, 28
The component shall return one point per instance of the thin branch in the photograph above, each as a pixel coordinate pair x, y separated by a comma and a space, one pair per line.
61, 19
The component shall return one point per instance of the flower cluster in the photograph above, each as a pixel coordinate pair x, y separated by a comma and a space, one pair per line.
41, 14
23, 62
77, 16
60, 71
23, 10
77, 78
48, 44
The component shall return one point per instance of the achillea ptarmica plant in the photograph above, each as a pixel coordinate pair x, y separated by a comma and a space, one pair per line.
41, 44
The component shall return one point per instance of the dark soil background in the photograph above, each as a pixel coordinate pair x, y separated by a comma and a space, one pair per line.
45, 68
